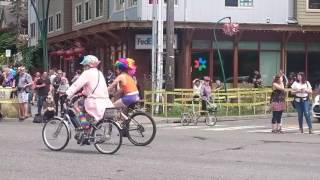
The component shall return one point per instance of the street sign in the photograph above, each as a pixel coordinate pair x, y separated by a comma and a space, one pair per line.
144, 41
8, 53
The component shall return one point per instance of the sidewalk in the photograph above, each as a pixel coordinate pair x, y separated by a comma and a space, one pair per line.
226, 118
163, 120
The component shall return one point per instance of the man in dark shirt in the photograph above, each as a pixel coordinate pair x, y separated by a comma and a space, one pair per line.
43, 89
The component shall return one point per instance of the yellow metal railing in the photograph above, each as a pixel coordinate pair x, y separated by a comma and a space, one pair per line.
240, 99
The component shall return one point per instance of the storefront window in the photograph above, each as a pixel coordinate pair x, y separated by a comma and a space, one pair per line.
313, 68
201, 44
248, 62
270, 46
199, 63
248, 45
295, 62
227, 59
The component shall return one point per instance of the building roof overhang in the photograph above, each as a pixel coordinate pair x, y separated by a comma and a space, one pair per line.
118, 25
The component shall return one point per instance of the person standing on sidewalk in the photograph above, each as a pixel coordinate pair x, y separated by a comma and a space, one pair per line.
37, 76
205, 92
24, 85
43, 89
62, 93
56, 83
278, 104
302, 90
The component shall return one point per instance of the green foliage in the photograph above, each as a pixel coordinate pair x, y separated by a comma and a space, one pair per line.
32, 57
7, 41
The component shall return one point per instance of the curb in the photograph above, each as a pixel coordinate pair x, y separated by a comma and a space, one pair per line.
167, 120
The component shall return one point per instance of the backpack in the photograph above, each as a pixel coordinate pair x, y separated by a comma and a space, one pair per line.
37, 119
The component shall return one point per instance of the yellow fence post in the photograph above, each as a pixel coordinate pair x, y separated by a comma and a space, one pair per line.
266, 102
239, 106
254, 103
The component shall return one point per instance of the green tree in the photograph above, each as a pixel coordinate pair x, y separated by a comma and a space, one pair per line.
7, 41
19, 10
32, 57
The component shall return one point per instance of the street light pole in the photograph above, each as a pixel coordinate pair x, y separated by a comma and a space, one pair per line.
170, 73
43, 28
218, 49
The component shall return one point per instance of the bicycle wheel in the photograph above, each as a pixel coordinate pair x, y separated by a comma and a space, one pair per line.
211, 120
55, 134
141, 129
108, 138
185, 119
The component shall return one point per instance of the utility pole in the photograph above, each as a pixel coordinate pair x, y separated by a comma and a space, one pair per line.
154, 46
159, 53
43, 27
170, 59
160, 47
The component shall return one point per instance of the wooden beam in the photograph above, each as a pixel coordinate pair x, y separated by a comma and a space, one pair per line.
187, 56
113, 35
236, 58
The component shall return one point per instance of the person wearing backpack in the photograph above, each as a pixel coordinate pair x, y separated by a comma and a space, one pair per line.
24, 84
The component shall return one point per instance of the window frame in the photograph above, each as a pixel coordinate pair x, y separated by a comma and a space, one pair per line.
101, 8
33, 30
176, 3
239, 6
76, 13
89, 11
50, 30
121, 6
311, 10
132, 4
60, 25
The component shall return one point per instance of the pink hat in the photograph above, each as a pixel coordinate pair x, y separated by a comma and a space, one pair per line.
206, 78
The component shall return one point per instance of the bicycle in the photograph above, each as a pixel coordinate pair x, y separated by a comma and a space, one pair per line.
105, 135
209, 115
138, 126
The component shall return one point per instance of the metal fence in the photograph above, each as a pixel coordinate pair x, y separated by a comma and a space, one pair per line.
239, 101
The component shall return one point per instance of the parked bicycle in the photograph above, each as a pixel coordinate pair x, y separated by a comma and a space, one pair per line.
194, 116
138, 126
106, 135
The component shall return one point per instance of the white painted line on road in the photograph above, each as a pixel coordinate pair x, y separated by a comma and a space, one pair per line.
234, 128
283, 129
269, 130
193, 127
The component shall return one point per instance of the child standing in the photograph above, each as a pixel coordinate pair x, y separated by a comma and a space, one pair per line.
48, 108
63, 87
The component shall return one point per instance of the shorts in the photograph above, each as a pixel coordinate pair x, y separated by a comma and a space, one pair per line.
130, 99
23, 97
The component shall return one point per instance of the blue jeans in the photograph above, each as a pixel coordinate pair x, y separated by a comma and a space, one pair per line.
41, 100
303, 108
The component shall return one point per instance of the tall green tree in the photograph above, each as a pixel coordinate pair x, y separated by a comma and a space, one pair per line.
19, 10
7, 41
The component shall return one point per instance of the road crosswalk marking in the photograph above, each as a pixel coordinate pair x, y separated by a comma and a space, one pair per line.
249, 129
192, 127
234, 128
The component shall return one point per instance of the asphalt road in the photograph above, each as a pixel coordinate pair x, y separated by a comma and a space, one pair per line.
231, 150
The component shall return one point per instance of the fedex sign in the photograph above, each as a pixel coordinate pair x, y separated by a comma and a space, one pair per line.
144, 41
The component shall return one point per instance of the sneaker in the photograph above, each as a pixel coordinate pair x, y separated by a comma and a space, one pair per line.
301, 130
280, 131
